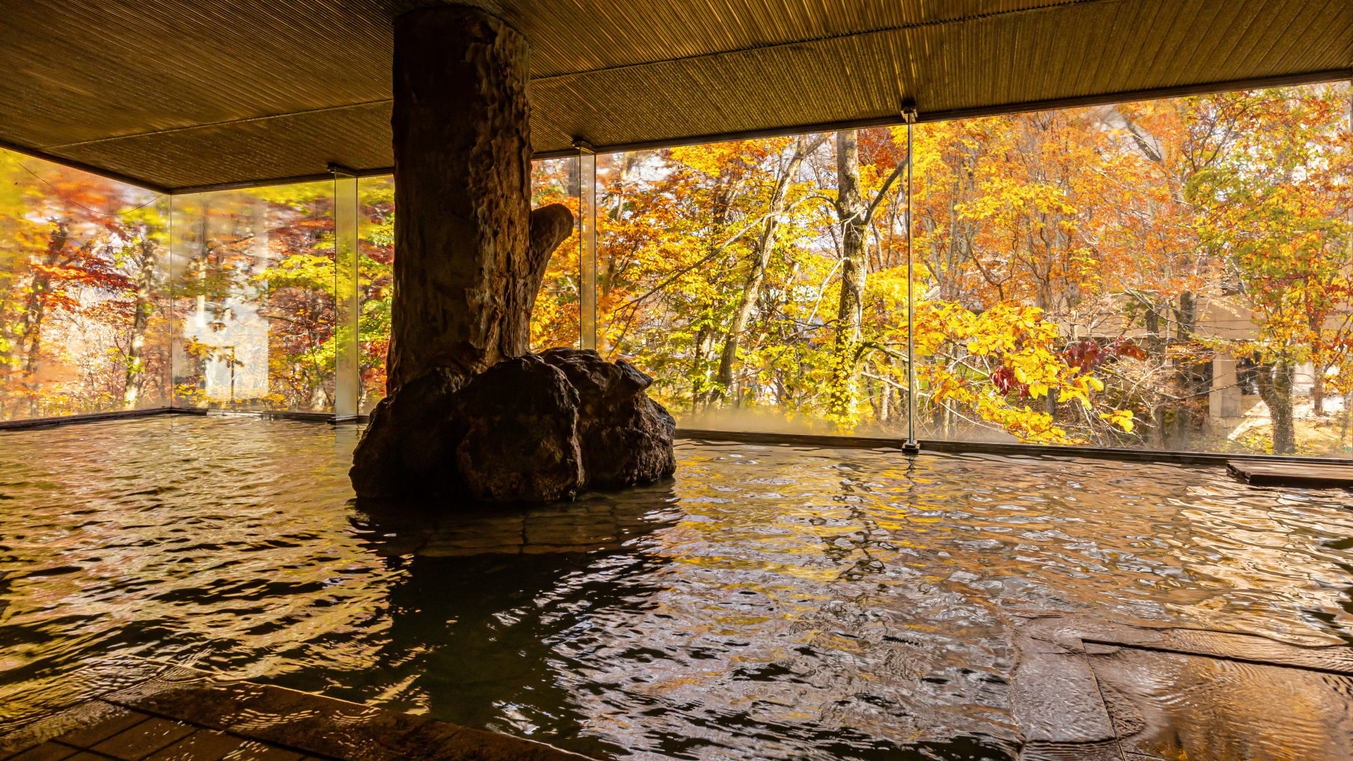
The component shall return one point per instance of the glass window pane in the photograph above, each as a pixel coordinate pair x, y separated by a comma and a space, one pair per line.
253, 274
557, 316
82, 292
376, 257
718, 275
1168, 274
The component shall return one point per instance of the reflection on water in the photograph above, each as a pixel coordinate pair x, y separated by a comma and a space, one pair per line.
806, 603
1204, 709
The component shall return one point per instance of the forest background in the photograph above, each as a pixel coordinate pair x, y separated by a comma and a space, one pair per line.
1171, 274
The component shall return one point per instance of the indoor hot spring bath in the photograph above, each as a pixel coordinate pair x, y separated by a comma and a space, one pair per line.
770, 602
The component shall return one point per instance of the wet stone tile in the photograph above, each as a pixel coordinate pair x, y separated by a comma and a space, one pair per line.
1209, 709
1126, 716
1056, 700
256, 751
48, 751
210, 719
274, 715
1100, 751
143, 740
202, 745
119, 720
1102, 637
205, 702
79, 717
174, 679
25, 708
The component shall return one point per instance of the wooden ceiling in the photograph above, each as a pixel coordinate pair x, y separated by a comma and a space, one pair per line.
186, 94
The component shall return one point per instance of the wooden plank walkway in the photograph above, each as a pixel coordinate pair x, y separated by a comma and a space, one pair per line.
1311, 475
182, 714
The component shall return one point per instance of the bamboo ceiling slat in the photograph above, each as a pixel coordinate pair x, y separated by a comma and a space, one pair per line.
585, 36
188, 93
253, 149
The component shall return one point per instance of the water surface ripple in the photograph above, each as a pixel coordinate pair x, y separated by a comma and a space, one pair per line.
807, 603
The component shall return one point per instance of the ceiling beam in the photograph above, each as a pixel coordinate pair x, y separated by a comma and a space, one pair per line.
68, 163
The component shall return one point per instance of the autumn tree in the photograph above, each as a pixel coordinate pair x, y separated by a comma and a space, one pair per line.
74, 298
375, 258
557, 317
140, 257
786, 167
1013, 294
1279, 203
855, 208
675, 256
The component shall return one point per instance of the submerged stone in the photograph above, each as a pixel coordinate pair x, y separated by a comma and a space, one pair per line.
535, 428
410, 437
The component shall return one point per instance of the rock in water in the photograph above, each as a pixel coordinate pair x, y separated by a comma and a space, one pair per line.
520, 434
626, 437
410, 441
535, 428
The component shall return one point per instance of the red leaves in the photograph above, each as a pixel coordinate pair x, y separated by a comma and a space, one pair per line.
1005, 382
1126, 347
1084, 354
1088, 354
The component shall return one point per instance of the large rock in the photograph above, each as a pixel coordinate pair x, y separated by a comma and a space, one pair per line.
409, 441
626, 438
520, 434
536, 428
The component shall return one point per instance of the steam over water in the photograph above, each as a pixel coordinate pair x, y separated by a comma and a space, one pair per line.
771, 602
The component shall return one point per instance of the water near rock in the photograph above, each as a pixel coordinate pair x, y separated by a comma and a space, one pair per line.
770, 602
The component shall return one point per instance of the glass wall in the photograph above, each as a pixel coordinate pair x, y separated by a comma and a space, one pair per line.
253, 281
376, 258
1170, 274
716, 266
557, 318
83, 318
1167, 274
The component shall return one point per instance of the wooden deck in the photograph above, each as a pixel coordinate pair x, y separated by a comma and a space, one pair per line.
181, 714
1310, 475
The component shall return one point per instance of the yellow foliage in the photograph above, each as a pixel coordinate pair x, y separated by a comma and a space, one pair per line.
1120, 418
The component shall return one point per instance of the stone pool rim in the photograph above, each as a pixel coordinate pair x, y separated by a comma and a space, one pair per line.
827, 441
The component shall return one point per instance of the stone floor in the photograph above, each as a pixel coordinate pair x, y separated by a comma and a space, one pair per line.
1094, 691
181, 714
1089, 691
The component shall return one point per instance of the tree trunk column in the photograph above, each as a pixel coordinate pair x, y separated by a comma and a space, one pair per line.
462, 190
469, 415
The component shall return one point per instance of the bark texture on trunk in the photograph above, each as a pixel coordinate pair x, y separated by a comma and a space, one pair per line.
35, 311
463, 167
851, 212
725, 382
134, 370
1275, 388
